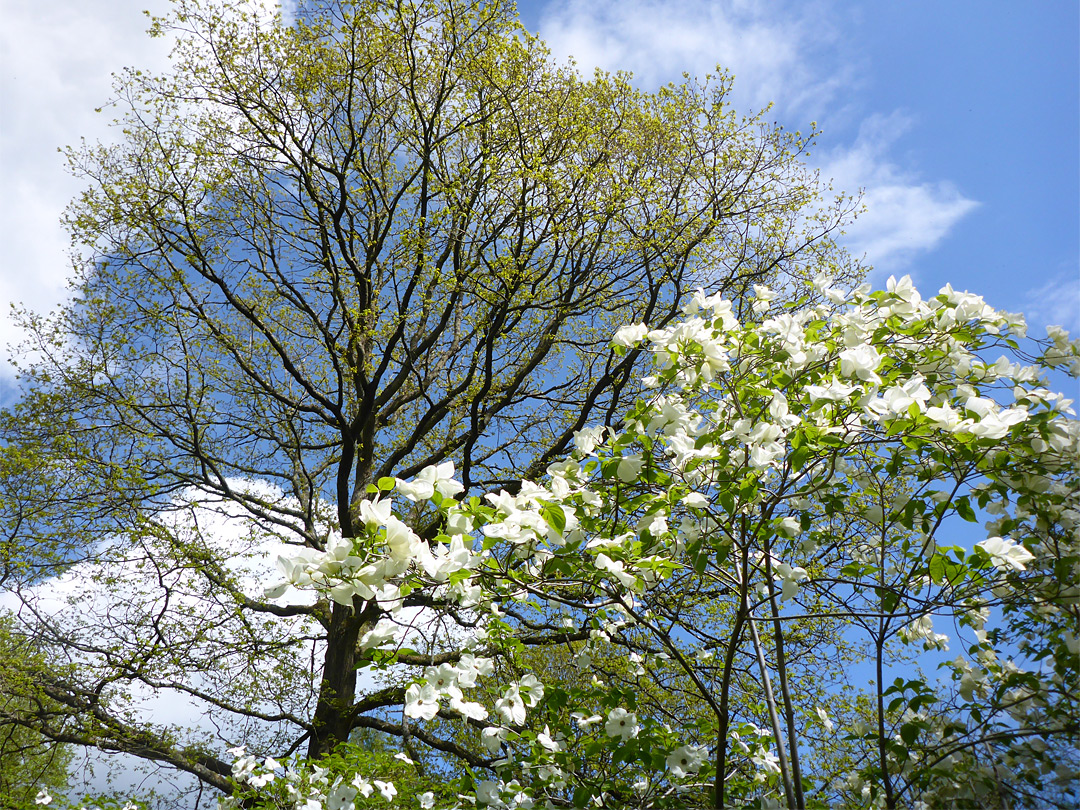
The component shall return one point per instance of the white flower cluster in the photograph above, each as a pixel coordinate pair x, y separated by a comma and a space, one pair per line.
922, 629
307, 786
349, 568
521, 519
422, 700
44, 798
1005, 553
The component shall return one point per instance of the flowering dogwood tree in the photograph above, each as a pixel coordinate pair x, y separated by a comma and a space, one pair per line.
812, 466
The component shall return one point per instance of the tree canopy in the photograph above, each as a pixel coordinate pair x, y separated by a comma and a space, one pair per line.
328, 253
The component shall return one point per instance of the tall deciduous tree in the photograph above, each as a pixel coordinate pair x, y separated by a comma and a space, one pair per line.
329, 251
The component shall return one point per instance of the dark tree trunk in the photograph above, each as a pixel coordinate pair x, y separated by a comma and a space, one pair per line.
337, 690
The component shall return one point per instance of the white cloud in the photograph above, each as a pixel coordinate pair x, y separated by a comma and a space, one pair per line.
1055, 303
774, 50
904, 216
130, 597
791, 56
106, 601
58, 58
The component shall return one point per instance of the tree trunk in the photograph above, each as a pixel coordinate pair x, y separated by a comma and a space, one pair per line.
337, 690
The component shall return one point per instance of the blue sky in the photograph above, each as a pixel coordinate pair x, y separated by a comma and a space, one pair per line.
960, 121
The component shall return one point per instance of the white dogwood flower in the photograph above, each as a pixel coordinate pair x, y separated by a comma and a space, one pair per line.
685, 760
861, 362
621, 723
421, 701
1005, 553
791, 577
511, 706
433, 478
630, 335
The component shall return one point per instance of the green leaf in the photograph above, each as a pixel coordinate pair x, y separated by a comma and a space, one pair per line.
909, 732
925, 699
889, 601
937, 568
798, 458
699, 557
555, 517
727, 501
386, 484
964, 510
852, 570
748, 491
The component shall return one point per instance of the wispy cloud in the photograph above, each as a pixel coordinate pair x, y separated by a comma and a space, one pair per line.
789, 55
1055, 303
774, 50
58, 59
903, 215
101, 602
